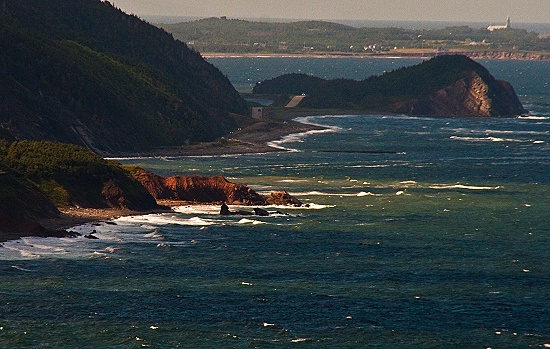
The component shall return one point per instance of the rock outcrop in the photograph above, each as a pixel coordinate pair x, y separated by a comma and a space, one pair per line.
470, 96
214, 189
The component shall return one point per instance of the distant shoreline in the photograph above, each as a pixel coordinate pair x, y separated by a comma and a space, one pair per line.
398, 54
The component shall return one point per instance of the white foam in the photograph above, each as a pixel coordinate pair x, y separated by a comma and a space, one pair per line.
488, 139
299, 138
250, 221
460, 186
367, 194
23, 269
197, 209
312, 193
293, 180
35, 248
155, 234
163, 219
534, 117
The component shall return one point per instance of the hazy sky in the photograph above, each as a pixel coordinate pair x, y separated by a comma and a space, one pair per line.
490, 11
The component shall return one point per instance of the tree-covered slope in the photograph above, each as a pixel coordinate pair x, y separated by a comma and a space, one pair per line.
450, 85
38, 177
84, 72
70, 175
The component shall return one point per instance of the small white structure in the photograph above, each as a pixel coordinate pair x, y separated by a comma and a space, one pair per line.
492, 28
257, 112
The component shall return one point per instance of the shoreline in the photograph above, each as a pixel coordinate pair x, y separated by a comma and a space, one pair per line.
249, 140
252, 139
489, 55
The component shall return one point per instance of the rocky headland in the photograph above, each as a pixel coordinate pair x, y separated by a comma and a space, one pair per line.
445, 86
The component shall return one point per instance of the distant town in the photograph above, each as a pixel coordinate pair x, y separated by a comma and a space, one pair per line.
221, 35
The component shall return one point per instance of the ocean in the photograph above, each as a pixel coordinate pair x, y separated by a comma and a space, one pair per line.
436, 238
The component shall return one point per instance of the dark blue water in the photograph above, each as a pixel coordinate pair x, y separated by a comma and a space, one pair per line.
442, 243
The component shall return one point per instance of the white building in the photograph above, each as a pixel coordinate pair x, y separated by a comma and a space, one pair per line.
500, 27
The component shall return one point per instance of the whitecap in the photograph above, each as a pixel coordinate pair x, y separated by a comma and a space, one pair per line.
312, 193
250, 221
367, 194
155, 234
163, 219
23, 269
292, 181
461, 186
488, 139
534, 117
111, 249
408, 182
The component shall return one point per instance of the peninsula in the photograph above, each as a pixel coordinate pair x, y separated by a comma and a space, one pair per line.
447, 85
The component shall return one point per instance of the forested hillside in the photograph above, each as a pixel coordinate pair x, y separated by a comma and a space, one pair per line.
84, 72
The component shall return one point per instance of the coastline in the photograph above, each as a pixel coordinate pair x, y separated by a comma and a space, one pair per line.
252, 139
397, 54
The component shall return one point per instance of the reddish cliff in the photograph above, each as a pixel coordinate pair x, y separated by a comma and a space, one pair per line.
472, 95
201, 189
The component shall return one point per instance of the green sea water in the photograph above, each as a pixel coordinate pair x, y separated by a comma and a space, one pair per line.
440, 241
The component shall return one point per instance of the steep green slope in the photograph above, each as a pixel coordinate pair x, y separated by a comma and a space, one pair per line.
37, 178
84, 72
70, 175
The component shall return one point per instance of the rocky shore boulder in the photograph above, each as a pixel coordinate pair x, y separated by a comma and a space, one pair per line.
202, 189
282, 198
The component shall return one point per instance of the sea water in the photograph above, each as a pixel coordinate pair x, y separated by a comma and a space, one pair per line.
435, 235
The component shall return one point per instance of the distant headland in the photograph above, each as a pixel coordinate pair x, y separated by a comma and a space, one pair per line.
224, 36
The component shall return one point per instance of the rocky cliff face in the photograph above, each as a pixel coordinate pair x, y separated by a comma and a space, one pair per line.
215, 189
472, 95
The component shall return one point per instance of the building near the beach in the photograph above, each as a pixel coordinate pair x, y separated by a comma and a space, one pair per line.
500, 27
257, 112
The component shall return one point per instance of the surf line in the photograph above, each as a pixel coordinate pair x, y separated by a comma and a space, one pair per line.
359, 151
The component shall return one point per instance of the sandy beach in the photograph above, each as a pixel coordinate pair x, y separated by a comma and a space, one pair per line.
252, 139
